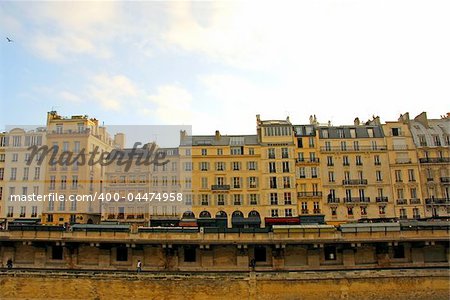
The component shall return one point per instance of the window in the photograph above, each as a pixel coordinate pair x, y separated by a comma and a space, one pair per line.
15, 157
237, 150
188, 166
204, 182
236, 166
273, 182
285, 167
260, 253
272, 167
327, 146
252, 182
311, 142
301, 156
398, 176
236, 182
190, 254
344, 146
286, 182
287, 198
253, 199
10, 211
382, 210
219, 151
13, 174
350, 211
325, 133
74, 181
299, 142
204, 166
220, 199
220, 166
422, 141
34, 211
345, 161
330, 252
363, 211
413, 192
204, 151
331, 176
57, 252
252, 165
288, 212
377, 160
378, 175
274, 212
330, 161
122, 254
271, 153
313, 172
2, 173
302, 172
251, 151
237, 199
273, 199
436, 140
395, 131
358, 160
204, 199
411, 175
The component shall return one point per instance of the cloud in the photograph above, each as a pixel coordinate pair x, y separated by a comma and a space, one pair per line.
113, 92
69, 97
172, 105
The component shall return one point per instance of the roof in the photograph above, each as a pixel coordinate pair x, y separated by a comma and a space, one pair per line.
223, 140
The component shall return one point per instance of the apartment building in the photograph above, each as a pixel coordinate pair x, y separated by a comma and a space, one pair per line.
432, 141
74, 182
355, 167
2, 175
308, 171
144, 193
22, 176
404, 170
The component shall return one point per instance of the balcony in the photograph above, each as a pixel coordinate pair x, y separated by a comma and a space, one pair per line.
403, 161
437, 201
305, 212
445, 179
220, 187
316, 211
354, 182
402, 201
357, 200
334, 200
307, 160
414, 201
353, 149
381, 199
309, 195
434, 160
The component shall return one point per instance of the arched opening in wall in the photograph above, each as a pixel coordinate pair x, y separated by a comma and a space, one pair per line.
221, 219
237, 219
90, 221
205, 214
254, 219
188, 215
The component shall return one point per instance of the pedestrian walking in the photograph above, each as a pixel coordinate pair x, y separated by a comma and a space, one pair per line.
139, 266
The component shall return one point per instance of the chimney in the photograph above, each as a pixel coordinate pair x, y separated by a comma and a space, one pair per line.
182, 134
356, 122
217, 135
422, 119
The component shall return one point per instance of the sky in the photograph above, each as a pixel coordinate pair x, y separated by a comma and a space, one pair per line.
215, 65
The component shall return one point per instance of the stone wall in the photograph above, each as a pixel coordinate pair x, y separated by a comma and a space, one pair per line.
383, 284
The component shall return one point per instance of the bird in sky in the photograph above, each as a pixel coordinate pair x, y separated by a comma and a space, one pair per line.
9, 40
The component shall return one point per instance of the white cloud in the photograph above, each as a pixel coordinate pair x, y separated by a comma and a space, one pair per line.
69, 97
172, 105
113, 92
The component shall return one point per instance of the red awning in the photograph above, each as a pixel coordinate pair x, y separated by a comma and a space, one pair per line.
282, 221
188, 224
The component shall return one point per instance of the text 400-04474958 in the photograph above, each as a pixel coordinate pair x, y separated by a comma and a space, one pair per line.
145, 197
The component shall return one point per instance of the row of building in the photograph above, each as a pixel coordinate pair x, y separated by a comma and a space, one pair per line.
283, 174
